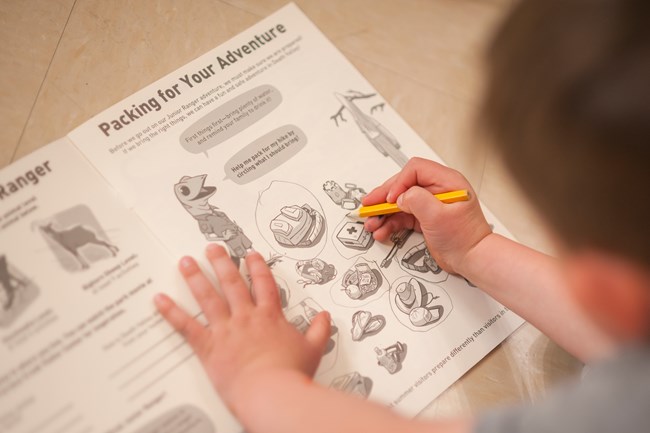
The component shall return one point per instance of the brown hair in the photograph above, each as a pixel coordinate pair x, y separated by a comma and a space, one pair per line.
568, 107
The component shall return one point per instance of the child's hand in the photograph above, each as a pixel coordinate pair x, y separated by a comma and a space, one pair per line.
246, 335
450, 230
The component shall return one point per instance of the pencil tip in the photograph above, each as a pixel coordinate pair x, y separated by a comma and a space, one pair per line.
354, 215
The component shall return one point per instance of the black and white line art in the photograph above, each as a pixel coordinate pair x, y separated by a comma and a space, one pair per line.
419, 305
76, 238
301, 316
353, 235
16, 292
361, 283
351, 239
365, 324
375, 132
298, 226
353, 383
291, 220
215, 224
418, 262
73, 239
413, 299
315, 271
10, 283
419, 259
348, 198
399, 239
391, 357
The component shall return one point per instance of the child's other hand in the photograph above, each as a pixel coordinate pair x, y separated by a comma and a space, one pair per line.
246, 336
450, 230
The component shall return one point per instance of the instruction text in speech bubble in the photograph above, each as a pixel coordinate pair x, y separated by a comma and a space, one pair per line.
230, 119
265, 154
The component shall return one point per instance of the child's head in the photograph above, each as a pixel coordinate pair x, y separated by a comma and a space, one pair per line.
568, 104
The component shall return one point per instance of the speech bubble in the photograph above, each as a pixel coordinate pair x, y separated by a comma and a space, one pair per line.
265, 154
230, 119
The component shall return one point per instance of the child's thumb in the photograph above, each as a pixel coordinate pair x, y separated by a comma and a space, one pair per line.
318, 333
419, 202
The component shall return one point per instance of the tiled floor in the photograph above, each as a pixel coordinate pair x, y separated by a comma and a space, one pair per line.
63, 61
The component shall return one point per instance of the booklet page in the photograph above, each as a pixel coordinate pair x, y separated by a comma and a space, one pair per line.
268, 142
82, 347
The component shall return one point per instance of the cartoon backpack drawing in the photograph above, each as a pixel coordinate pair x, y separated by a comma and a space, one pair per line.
298, 226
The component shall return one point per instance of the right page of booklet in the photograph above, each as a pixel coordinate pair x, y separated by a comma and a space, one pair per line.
267, 142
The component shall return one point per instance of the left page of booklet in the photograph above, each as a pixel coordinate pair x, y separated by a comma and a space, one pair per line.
80, 341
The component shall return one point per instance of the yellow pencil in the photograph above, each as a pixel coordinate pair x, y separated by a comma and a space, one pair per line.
388, 208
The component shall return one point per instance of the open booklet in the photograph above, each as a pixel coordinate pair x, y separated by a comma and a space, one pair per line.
266, 142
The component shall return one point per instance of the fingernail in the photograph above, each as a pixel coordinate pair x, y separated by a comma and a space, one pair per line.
211, 249
187, 263
161, 300
400, 200
389, 197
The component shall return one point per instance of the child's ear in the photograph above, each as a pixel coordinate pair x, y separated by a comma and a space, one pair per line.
614, 291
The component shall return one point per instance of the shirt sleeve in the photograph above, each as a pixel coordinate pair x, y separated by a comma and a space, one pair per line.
615, 400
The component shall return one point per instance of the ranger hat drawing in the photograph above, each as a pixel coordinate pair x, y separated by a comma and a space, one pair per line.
213, 223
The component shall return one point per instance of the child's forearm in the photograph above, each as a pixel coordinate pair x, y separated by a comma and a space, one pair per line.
532, 285
289, 401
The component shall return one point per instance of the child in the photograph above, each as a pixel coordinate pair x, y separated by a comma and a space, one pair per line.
568, 105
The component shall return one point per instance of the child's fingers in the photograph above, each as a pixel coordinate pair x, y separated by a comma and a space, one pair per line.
318, 333
232, 284
378, 195
420, 203
373, 223
212, 304
182, 322
429, 174
395, 223
263, 285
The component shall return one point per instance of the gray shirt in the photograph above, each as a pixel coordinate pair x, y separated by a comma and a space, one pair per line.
614, 397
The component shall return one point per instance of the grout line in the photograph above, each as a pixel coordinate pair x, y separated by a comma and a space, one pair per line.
349, 55
243, 9
40, 88
458, 98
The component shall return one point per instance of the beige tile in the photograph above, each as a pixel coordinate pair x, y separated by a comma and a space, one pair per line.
436, 43
108, 52
29, 33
